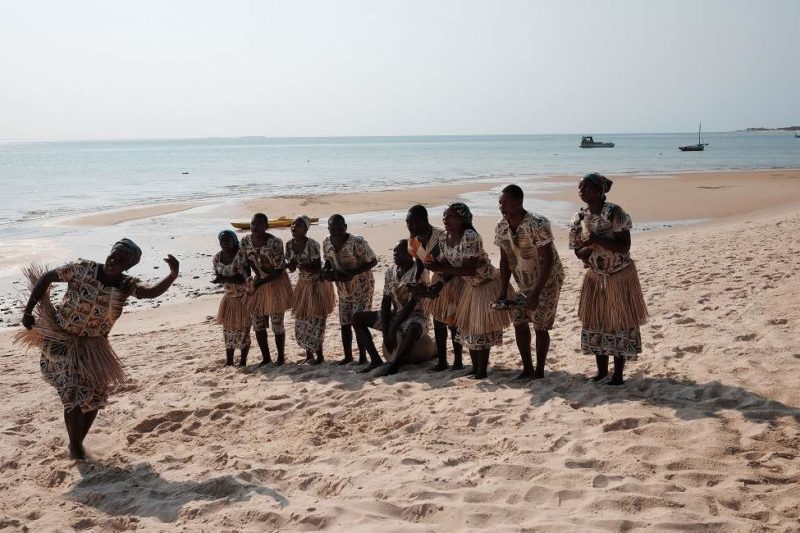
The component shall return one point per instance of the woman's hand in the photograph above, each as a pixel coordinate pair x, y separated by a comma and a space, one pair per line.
174, 265
583, 253
28, 322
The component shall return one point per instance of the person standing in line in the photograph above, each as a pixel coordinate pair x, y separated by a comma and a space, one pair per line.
232, 272
527, 251
349, 261
612, 306
440, 298
313, 298
269, 291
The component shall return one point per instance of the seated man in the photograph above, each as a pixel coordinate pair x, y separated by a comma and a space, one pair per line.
401, 318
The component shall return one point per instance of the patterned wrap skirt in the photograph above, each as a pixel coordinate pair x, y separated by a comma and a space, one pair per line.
611, 309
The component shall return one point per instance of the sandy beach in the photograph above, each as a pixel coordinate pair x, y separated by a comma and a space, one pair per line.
704, 435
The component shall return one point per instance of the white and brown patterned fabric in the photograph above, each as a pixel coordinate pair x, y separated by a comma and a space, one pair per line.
522, 248
354, 295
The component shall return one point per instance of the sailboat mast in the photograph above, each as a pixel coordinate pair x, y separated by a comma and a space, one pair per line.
698, 132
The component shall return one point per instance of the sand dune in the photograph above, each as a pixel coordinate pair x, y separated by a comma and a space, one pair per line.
704, 436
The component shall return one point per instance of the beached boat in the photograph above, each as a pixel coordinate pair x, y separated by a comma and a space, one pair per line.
282, 222
699, 147
588, 142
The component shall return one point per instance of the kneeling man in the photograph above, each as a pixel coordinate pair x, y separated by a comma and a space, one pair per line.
401, 319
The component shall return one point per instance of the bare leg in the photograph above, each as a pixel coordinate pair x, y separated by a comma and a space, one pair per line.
522, 332
364, 338
73, 420
229, 357
320, 358
440, 333
482, 360
347, 345
542, 347
88, 420
619, 366
412, 335
243, 360
474, 369
280, 343
602, 367
457, 349
263, 344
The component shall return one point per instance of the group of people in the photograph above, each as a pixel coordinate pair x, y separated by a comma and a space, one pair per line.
443, 275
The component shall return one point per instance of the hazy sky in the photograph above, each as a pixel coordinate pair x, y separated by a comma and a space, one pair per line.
140, 69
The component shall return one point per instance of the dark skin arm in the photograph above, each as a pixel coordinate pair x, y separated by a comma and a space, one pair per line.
154, 291
386, 318
468, 268
315, 267
505, 275
350, 274
36, 294
620, 243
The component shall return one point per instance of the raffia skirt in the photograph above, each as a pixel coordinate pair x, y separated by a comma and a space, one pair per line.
233, 314
274, 298
611, 310
443, 307
313, 299
80, 368
481, 327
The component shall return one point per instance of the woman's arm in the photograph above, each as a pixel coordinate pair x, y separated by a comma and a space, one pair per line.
154, 291
28, 321
314, 267
621, 242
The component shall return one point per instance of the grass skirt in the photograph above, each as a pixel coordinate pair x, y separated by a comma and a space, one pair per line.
313, 299
80, 368
612, 302
233, 314
272, 298
443, 307
479, 325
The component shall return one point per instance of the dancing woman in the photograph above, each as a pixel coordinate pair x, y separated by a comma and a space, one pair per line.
77, 358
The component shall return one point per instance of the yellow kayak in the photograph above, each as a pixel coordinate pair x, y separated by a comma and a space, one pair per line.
282, 222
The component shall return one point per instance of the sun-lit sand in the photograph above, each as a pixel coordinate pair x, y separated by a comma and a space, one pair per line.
704, 435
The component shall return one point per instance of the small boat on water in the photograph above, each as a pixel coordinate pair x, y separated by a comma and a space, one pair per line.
282, 222
699, 147
587, 141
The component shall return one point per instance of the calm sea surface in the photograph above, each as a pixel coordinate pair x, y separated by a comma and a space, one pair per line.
41, 180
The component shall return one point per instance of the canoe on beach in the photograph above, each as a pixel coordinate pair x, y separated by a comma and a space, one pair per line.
282, 222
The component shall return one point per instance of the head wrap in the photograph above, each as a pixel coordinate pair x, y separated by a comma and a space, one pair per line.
306, 220
230, 233
130, 248
602, 182
462, 210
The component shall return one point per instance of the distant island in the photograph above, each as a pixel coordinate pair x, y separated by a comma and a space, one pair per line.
786, 128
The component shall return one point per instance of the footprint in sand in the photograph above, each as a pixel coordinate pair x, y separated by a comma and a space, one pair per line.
748, 337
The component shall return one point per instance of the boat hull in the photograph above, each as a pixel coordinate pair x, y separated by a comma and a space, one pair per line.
692, 148
598, 145
282, 222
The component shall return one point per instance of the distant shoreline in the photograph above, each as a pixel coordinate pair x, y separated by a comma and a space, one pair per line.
784, 128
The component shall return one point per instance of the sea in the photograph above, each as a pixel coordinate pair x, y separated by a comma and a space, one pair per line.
44, 182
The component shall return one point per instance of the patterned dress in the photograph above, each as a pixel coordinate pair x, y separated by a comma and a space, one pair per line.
233, 314
612, 306
396, 287
354, 295
522, 250
271, 300
443, 307
313, 298
77, 336
480, 327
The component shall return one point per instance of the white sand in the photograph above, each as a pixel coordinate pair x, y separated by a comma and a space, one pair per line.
704, 436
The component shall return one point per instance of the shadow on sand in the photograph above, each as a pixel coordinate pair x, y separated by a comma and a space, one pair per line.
690, 400
140, 491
